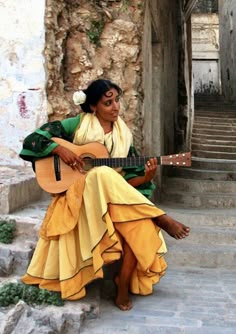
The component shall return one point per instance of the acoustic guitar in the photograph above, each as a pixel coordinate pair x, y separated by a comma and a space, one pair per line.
55, 176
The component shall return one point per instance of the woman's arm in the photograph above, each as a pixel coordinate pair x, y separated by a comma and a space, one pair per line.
141, 177
39, 144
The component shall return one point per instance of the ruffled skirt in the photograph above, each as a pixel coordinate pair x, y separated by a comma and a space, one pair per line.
84, 229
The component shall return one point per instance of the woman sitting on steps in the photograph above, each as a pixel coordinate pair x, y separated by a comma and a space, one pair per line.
109, 218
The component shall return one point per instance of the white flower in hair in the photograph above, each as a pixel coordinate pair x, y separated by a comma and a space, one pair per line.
79, 97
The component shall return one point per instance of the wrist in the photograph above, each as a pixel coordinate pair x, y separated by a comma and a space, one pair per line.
56, 150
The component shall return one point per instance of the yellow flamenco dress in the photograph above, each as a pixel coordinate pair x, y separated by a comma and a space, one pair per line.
85, 227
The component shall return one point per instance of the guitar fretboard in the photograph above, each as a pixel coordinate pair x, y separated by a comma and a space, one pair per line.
119, 162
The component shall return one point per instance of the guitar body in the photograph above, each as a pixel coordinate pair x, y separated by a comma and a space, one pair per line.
45, 168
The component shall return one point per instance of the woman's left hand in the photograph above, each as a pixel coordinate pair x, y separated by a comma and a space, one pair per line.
150, 169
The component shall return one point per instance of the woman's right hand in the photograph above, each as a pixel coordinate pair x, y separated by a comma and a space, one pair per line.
69, 157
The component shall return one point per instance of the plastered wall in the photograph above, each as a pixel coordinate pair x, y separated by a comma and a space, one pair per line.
23, 103
227, 9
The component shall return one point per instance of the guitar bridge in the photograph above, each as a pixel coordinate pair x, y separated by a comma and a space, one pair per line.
57, 167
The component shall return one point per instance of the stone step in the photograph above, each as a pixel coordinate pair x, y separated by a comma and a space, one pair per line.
214, 101
198, 193
15, 257
222, 127
203, 174
204, 135
172, 184
209, 97
211, 113
214, 155
213, 164
215, 148
230, 120
29, 218
215, 107
212, 141
212, 132
18, 187
183, 254
211, 242
212, 109
208, 236
201, 218
198, 200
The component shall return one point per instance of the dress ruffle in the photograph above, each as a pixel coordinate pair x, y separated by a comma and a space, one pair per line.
84, 229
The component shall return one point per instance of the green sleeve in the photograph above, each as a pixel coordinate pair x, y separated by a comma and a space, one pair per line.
146, 188
39, 144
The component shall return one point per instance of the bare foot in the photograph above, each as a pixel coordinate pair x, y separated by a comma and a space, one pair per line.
172, 227
122, 299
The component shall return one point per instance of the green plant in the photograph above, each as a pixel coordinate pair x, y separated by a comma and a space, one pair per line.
125, 5
7, 230
11, 293
140, 5
95, 32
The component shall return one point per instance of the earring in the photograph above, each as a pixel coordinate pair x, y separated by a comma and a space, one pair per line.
93, 108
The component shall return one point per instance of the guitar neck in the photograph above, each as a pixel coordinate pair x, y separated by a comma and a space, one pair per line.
122, 162
95, 154
181, 159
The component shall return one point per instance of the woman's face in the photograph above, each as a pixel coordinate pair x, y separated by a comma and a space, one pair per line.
107, 108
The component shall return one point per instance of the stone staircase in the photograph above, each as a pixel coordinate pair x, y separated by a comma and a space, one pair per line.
214, 130
203, 196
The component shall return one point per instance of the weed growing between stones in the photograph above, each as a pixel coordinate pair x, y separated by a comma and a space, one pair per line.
95, 32
12, 293
125, 5
7, 230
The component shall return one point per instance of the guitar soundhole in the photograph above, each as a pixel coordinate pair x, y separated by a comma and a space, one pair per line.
88, 162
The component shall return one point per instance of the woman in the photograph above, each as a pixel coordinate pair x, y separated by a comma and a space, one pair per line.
111, 218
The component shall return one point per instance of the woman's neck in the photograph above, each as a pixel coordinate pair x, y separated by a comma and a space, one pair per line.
107, 126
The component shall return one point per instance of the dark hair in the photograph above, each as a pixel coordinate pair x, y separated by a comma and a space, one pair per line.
95, 91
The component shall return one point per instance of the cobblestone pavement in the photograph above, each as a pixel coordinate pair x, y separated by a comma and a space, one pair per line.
187, 300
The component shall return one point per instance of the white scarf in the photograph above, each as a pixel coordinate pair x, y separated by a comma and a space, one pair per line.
117, 141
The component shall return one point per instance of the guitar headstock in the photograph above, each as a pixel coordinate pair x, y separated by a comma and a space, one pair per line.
180, 159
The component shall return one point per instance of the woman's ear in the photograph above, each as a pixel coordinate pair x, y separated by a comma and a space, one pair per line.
93, 108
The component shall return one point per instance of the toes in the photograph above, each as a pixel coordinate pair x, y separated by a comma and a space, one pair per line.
181, 234
125, 307
186, 229
178, 237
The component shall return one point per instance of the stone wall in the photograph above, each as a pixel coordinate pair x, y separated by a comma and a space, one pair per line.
227, 10
23, 104
86, 40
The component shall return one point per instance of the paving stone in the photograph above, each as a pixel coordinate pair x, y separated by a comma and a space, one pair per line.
181, 303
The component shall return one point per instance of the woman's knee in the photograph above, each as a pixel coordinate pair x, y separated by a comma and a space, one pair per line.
104, 172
